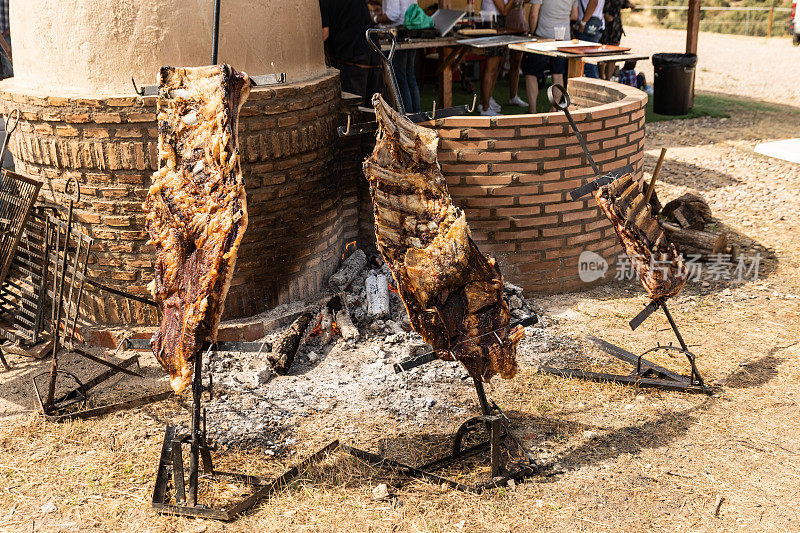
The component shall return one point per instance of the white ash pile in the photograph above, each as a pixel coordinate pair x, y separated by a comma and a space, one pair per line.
344, 366
375, 305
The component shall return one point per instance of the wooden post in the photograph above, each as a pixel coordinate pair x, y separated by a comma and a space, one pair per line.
446, 77
574, 67
692, 26
769, 24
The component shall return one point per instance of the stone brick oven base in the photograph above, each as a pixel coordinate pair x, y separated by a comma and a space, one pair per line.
307, 197
299, 178
512, 176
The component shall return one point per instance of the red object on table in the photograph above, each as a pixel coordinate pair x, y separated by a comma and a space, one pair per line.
598, 49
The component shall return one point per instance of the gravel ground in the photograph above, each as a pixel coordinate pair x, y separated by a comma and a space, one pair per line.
755, 67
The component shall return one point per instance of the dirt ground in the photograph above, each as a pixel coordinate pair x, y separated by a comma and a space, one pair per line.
622, 458
753, 67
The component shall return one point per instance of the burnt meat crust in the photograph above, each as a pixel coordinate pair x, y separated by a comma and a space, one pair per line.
453, 293
659, 266
196, 208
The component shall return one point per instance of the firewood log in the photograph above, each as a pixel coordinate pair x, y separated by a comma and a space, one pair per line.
708, 241
687, 211
349, 269
377, 286
284, 350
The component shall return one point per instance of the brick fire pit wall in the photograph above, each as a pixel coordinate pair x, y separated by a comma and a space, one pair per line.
512, 175
300, 199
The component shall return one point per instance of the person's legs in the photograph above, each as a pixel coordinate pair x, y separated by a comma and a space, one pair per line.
491, 68
399, 63
411, 80
353, 79
533, 66
532, 88
514, 61
592, 33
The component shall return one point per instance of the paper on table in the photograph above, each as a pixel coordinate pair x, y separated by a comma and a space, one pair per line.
550, 46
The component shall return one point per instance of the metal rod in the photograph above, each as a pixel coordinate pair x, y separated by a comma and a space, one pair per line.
194, 455
485, 409
14, 115
672, 323
563, 104
215, 36
51, 388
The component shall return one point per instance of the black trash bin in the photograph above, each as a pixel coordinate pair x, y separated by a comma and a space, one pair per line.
673, 86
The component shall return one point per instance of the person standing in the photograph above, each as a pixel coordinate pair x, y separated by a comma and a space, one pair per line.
589, 27
545, 16
344, 23
394, 11
498, 10
613, 32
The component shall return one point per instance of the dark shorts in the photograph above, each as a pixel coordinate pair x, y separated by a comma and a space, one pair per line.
497, 51
537, 64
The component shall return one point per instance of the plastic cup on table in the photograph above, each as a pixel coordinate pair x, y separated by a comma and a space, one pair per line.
560, 33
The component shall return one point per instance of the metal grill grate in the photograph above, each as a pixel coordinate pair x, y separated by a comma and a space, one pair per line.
69, 254
22, 296
17, 195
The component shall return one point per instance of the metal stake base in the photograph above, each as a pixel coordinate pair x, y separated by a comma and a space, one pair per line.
63, 408
500, 437
646, 373
171, 467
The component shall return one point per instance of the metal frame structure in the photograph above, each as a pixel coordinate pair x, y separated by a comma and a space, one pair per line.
507, 457
183, 498
645, 373
23, 293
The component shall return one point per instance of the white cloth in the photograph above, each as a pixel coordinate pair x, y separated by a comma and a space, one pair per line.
396, 9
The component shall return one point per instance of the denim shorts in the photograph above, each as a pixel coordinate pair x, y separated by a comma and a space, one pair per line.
537, 64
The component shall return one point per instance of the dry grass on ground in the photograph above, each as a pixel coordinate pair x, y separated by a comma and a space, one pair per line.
629, 459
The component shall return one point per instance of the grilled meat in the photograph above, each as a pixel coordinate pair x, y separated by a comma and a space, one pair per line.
196, 208
453, 293
661, 270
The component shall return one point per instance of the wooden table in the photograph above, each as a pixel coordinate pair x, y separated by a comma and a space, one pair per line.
575, 61
450, 56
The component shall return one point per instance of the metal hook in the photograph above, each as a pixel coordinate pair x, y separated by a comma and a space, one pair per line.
561, 104
77, 197
471, 108
13, 116
275, 72
135, 88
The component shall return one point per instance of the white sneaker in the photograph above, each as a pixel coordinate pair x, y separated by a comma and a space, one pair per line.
487, 112
518, 101
493, 105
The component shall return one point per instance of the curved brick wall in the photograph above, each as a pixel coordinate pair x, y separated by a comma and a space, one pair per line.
512, 175
301, 211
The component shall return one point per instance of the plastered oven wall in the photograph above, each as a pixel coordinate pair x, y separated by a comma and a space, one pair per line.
75, 47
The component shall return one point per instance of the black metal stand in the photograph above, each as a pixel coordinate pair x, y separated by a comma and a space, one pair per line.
645, 373
183, 500
64, 407
508, 459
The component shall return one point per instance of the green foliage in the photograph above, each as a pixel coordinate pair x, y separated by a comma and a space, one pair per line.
733, 22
